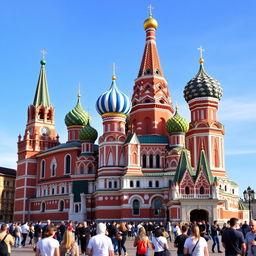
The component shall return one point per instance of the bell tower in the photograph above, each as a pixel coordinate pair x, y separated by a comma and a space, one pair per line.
40, 134
151, 101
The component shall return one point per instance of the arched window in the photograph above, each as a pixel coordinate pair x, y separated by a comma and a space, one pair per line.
150, 184
201, 190
151, 161
158, 207
41, 114
49, 115
89, 169
225, 188
187, 190
144, 161
131, 183
110, 184
77, 208
157, 161
115, 184
43, 169
157, 184
67, 164
61, 206
62, 190
53, 168
136, 207
43, 207
137, 183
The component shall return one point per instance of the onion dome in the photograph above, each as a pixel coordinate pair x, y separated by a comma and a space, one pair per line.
177, 123
88, 133
77, 116
202, 85
113, 101
150, 23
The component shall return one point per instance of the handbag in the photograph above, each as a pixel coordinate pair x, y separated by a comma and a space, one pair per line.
193, 248
165, 252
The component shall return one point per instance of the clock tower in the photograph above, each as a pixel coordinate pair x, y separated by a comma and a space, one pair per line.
40, 134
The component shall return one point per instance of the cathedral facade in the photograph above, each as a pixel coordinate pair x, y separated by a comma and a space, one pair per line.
149, 163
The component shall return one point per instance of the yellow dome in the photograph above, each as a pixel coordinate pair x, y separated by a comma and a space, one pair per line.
150, 23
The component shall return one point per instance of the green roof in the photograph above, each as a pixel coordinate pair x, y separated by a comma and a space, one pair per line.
183, 165
203, 164
42, 96
150, 139
78, 187
63, 145
158, 174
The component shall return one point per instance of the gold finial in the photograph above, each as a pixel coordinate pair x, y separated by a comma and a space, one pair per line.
201, 60
113, 71
150, 7
78, 95
43, 52
202, 145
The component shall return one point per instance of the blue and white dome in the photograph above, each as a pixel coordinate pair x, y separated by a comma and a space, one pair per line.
113, 101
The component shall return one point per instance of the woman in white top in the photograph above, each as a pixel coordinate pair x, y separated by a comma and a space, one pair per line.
48, 246
196, 245
159, 242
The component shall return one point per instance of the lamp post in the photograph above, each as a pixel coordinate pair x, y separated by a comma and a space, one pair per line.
249, 195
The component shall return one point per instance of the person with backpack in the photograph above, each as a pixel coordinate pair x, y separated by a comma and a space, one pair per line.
142, 243
6, 241
68, 245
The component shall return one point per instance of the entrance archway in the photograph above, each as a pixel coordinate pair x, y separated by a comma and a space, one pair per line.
199, 215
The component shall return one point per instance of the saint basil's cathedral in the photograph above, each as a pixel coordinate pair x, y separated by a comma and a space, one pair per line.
149, 164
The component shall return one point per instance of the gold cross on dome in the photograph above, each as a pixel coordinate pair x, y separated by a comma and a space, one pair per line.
201, 50
150, 7
43, 52
79, 95
114, 69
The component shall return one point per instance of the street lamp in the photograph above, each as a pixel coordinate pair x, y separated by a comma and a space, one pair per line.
249, 195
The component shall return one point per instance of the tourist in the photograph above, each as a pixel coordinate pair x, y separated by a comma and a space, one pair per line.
31, 233
214, 232
245, 228
176, 230
196, 245
129, 229
250, 239
61, 230
180, 240
142, 243
84, 236
38, 233
17, 235
100, 245
48, 224
48, 246
122, 230
68, 245
159, 243
168, 228
112, 232
233, 240
5, 249
25, 232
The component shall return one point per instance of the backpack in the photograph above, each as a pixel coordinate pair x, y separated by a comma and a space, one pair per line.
3, 247
141, 247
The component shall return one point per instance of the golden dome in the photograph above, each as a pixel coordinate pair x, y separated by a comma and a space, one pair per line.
150, 23
201, 61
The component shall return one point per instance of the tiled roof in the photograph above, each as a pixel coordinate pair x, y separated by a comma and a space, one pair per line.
159, 174
64, 145
8, 171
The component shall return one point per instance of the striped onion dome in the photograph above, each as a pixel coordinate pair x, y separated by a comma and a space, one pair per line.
88, 133
202, 85
177, 123
113, 100
77, 116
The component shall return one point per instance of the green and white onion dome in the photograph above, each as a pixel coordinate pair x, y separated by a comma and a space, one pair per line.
177, 123
88, 133
77, 116
202, 85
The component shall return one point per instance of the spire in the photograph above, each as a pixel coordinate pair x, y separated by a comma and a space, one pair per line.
42, 96
150, 64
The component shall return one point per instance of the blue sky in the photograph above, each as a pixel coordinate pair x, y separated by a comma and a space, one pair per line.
83, 38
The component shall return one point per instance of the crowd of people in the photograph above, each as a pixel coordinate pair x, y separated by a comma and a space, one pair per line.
105, 239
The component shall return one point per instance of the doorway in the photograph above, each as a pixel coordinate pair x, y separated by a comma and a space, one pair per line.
199, 215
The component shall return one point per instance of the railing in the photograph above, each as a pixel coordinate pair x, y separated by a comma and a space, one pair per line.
196, 196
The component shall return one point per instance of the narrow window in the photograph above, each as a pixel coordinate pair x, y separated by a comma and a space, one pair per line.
150, 184
151, 161
157, 184
110, 184
157, 161
131, 183
137, 183
201, 190
61, 206
53, 169
187, 190
67, 164
43, 207
115, 184
136, 207
43, 169
144, 161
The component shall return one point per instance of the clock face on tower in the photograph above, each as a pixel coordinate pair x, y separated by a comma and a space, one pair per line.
45, 131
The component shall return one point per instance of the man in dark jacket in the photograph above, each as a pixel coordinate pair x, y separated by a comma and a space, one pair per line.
84, 236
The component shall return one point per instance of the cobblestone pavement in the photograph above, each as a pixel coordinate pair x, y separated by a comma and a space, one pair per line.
27, 251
